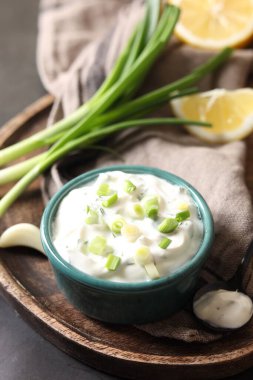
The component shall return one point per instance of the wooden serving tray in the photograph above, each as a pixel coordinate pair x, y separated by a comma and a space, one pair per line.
27, 281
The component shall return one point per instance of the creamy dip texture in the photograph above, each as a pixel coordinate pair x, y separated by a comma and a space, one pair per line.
127, 227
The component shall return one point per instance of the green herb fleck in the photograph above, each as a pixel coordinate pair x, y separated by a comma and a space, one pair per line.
112, 262
164, 243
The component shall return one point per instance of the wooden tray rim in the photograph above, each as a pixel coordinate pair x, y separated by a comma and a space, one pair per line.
16, 294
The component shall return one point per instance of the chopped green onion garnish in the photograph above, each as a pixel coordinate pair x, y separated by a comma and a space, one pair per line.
183, 206
110, 201
117, 225
97, 245
143, 256
151, 207
129, 187
92, 217
90, 220
104, 189
130, 232
138, 210
168, 225
152, 271
164, 243
112, 262
183, 215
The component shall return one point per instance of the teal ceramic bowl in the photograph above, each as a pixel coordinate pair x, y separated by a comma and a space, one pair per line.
119, 302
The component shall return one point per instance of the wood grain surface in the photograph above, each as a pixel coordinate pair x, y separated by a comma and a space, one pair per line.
27, 281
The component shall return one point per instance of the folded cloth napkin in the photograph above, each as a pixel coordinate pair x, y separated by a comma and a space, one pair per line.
77, 44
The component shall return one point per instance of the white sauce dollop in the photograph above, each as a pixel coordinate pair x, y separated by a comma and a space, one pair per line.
71, 233
223, 308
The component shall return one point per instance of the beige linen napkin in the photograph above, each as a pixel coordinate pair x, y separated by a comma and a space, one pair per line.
77, 45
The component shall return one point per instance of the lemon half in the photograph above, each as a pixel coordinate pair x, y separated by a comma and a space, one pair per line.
214, 24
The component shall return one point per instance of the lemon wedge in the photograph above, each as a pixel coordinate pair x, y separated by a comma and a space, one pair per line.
214, 24
229, 112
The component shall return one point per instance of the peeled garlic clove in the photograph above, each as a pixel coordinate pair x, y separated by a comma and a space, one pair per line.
224, 309
22, 234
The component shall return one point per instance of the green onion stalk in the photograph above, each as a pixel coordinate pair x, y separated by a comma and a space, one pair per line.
113, 107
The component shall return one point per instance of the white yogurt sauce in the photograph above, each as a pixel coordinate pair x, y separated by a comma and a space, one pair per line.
72, 235
224, 309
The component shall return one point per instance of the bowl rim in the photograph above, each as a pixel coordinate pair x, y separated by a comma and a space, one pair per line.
77, 275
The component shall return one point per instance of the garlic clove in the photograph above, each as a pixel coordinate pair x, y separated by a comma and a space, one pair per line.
22, 234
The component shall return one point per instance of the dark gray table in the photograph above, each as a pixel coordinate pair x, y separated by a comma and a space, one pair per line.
24, 355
